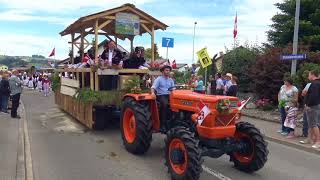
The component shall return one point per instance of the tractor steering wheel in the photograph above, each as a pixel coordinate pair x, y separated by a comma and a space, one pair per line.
171, 88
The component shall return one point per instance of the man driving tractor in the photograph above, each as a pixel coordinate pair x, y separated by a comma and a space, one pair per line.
161, 89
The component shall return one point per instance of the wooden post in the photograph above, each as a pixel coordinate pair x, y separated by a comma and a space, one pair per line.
82, 79
96, 31
152, 44
72, 48
131, 43
82, 45
96, 82
92, 80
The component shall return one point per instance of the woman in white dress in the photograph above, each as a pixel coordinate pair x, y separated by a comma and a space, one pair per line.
30, 83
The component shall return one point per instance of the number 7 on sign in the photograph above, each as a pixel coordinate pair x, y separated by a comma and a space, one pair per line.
168, 41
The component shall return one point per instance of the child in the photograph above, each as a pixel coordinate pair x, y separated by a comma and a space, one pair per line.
46, 85
30, 83
39, 84
291, 118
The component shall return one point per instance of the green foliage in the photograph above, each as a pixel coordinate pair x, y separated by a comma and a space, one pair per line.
132, 85
268, 73
55, 82
283, 24
239, 62
301, 77
12, 61
148, 53
182, 77
38, 56
86, 95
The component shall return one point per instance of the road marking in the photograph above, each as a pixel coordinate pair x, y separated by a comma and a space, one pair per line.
215, 173
28, 161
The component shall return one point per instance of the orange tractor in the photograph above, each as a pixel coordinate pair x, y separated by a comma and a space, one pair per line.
187, 141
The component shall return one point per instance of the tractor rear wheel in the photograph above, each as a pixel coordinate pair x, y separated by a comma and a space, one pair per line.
254, 154
182, 154
136, 126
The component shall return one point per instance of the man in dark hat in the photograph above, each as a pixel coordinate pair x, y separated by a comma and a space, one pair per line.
161, 89
136, 60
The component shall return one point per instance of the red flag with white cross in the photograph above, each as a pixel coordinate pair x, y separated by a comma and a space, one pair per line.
204, 112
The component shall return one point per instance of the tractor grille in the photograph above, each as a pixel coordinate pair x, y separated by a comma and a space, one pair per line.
224, 119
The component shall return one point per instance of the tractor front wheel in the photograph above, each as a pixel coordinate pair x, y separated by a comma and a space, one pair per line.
182, 154
136, 126
254, 152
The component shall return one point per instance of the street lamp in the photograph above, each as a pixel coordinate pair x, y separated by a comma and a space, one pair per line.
194, 34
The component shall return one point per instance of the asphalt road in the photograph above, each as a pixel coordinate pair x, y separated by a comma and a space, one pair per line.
62, 149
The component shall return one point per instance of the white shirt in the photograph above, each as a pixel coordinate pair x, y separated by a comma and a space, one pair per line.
110, 56
220, 84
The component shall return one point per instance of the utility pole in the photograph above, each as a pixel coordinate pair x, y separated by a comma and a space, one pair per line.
295, 38
194, 34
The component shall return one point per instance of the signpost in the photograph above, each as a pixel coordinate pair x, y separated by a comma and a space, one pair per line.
205, 61
167, 42
293, 57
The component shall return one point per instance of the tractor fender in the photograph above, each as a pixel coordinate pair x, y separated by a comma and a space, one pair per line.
153, 107
140, 97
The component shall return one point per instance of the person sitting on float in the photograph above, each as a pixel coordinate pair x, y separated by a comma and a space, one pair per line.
111, 56
136, 60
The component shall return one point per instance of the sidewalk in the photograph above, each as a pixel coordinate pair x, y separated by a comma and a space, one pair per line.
270, 126
11, 147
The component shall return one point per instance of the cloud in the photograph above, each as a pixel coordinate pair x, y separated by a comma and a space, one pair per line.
26, 15
213, 31
65, 5
27, 45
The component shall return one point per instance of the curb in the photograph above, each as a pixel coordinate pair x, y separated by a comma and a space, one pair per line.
284, 142
293, 145
29, 175
263, 119
21, 168
268, 120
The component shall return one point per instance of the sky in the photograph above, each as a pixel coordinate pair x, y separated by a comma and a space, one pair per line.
30, 27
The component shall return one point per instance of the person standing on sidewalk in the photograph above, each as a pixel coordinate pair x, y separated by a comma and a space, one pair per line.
287, 94
46, 85
313, 108
220, 85
233, 89
305, 121
5, 92
16, 90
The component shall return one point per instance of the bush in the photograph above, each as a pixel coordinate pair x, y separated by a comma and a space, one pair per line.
55, 82
86, 95
268, 73
301, 78
264, 104
239, 62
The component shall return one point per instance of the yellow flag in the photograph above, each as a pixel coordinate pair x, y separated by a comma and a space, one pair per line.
204, 58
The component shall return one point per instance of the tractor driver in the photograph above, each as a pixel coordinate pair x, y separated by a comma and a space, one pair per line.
161, 89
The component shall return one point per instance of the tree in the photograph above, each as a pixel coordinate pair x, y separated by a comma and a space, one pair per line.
309, 25
148, 53
239, 62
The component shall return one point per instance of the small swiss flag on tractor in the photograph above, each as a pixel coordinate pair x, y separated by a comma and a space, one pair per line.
204, 112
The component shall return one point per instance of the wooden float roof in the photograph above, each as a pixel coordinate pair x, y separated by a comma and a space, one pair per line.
103, 16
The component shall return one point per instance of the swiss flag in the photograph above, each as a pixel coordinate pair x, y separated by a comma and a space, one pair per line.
235, 30
204, 111
174, 64
87, 60
53, 52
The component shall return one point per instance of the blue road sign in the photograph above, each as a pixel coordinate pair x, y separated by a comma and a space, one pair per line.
167, 42
293, 56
